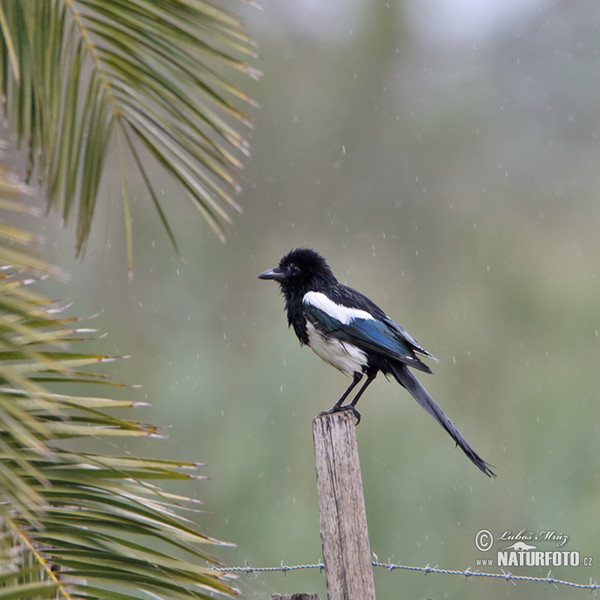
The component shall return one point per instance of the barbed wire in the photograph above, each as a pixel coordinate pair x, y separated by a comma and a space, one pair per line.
506, 575
281, 568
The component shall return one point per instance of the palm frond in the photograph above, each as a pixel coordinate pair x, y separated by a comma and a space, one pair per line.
75, 72
77, 524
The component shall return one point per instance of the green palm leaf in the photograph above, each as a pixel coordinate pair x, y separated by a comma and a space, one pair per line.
76, 72
79, 524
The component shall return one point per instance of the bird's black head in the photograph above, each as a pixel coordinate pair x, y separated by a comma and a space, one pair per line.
301, 270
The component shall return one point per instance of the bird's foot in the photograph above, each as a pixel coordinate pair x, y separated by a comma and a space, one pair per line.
335, 409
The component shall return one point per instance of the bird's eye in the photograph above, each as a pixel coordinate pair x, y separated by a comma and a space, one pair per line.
293, 270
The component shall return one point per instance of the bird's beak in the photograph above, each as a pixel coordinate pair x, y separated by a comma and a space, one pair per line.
272, 274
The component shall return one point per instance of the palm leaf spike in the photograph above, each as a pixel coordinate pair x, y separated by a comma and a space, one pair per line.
77, 72
72, 523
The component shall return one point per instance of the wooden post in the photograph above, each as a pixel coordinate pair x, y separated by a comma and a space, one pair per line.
294, 597
344, 534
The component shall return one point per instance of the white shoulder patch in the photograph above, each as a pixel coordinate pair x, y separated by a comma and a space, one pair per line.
343, 314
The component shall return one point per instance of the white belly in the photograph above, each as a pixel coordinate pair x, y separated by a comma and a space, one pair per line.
342, 355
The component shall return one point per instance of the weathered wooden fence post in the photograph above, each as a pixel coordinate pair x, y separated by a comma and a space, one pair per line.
343, 519
295, 597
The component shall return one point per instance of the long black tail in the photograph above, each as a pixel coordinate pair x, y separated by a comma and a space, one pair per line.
405, 378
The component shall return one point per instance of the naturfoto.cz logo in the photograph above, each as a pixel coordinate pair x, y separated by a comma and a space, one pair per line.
525, 548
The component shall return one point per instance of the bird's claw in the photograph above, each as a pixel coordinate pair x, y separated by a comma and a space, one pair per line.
355, 413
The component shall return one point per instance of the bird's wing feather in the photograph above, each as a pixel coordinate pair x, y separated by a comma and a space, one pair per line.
403, 334
361, 328
350, 297
375, 336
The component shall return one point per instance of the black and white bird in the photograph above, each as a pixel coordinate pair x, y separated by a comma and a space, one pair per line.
350, 332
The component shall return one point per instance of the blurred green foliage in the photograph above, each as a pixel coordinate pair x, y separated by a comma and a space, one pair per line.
454, 179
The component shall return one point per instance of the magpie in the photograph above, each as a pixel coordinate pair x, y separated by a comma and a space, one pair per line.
349, 331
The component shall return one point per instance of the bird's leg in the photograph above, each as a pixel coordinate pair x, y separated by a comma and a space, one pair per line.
338, 405
370, 377
352, 405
